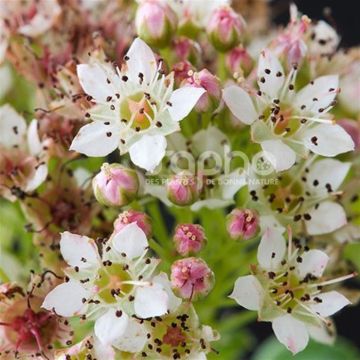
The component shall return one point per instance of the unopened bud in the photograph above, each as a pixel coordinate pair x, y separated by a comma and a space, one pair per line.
352, 127
239, 61
225, 28
211, 84
182, 189
142, 220
242, 224
115, 185
191, 278
189, 239
155, 23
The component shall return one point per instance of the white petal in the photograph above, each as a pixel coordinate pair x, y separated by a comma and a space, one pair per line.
94, 140
331, 140
78, 250
183, 100
248, 292
210, 139
271, 249
321, 333
12, 127
141, 60
148, 152
326, 218
270, 221
281, 156
131, 240
134, 338
173, 301
313, 262
318, 90
151, 301
38, 178
332, 302
327, 171
66, 299
240, 104
33, 140
273, 83
109, 328
94, 81
291, 332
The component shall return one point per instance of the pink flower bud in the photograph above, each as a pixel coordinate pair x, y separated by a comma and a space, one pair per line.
131, 216
211, 84
115, 185
189, 238
191, 278
225, 28
238, 60
352, 127
242, 224
187, 49
182, 189
181, 71
155, 22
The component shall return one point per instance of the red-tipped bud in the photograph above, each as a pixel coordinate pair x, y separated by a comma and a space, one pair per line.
189, 239
115, 185
242, 224
191, 278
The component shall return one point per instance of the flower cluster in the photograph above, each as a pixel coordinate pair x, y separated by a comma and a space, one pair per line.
151, 152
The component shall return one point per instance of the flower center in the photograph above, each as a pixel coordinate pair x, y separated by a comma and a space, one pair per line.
137, 110
111, 282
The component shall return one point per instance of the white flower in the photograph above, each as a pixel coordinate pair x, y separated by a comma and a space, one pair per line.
305, 195
113, 287
136, 107
287, 123
23, 161
286, 289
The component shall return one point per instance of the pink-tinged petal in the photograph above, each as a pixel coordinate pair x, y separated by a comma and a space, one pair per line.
280, 155
271, 249
141, 60
326, 218
183, 101
38, 177
66, 299
148, 152
78, 250
322, 333
291, 332
151, 301
109, 328
331, 302
328, 140
313, 262
96, 139
248, 292
134, 338
94, 79
317, 95
33, 140
130, 240
327, 171
12, 127
269, 79
240, 104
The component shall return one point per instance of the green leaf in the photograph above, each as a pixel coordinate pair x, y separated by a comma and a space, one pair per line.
352, 253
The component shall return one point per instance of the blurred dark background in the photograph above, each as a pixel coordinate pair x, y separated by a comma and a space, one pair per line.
344, 16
